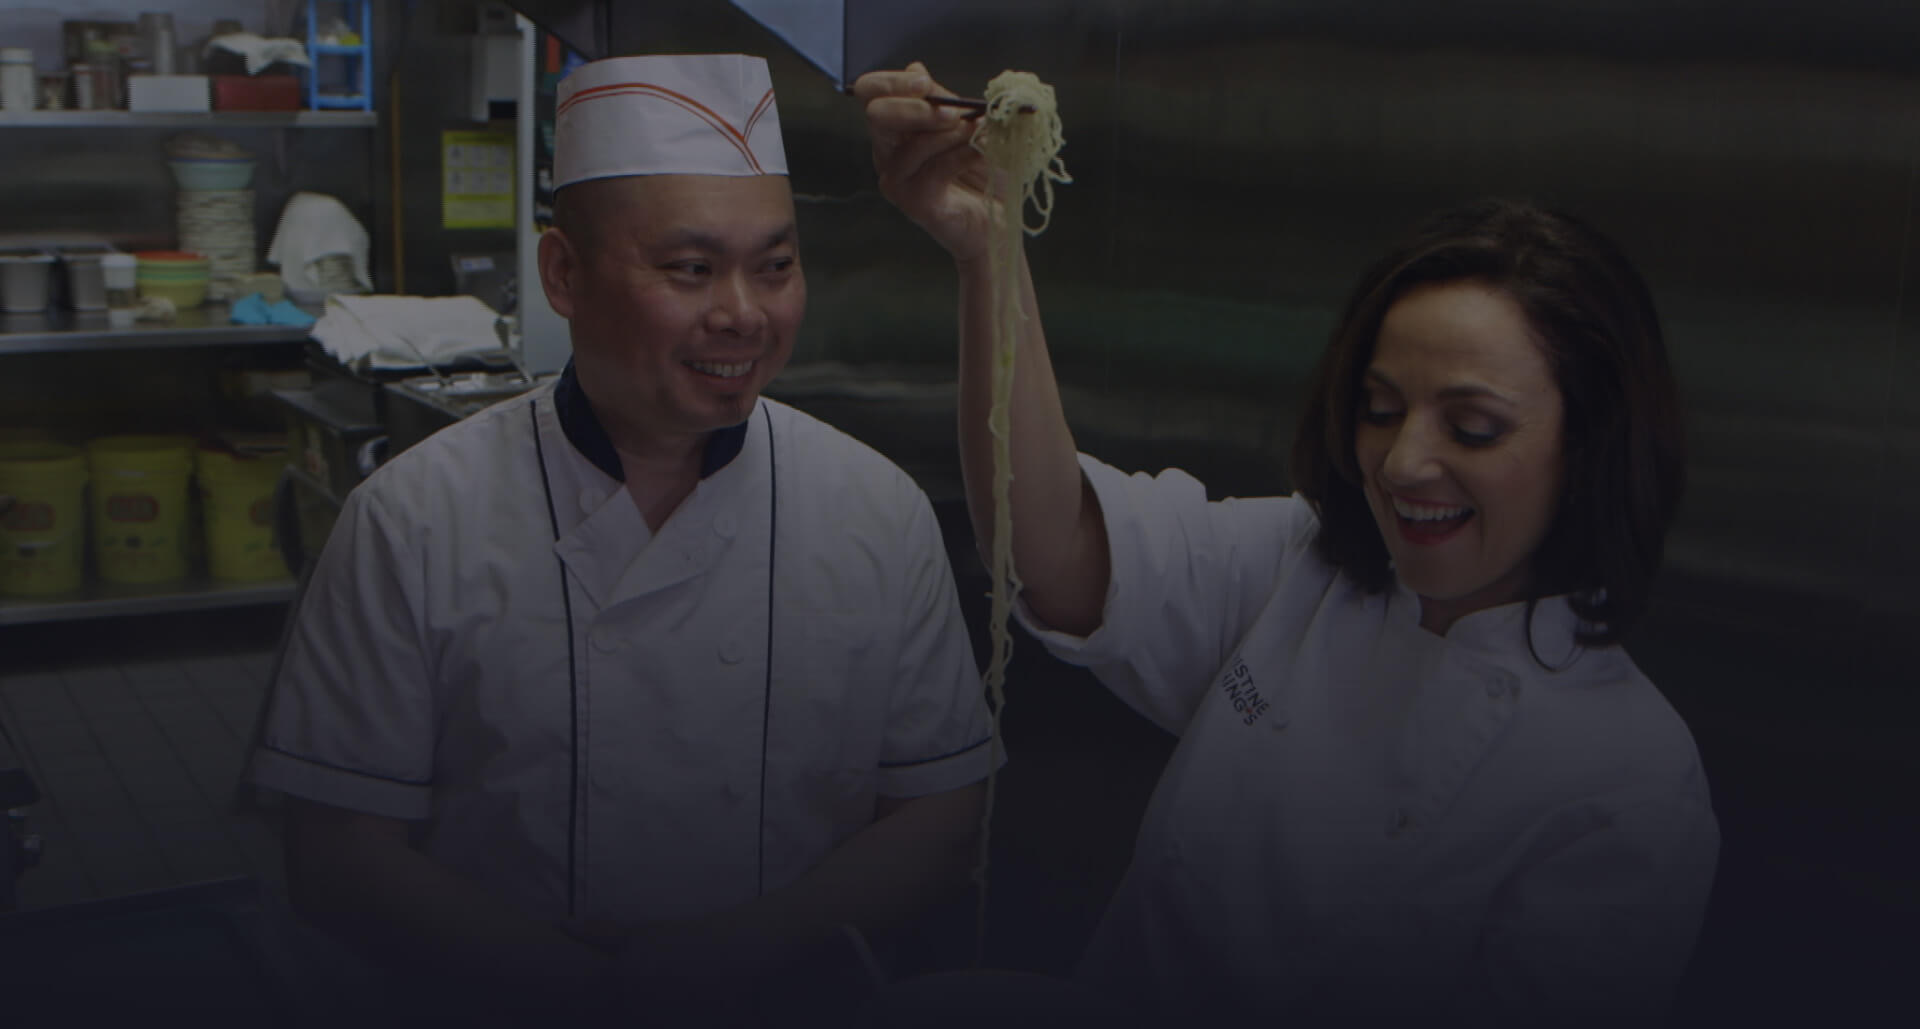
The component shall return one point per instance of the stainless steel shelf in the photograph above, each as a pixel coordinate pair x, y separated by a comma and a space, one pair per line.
188, 119
61, 330
101, 600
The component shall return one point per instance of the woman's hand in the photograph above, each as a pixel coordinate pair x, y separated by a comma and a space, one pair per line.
928, 167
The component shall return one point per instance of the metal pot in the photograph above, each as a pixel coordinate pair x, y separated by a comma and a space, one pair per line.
25, 278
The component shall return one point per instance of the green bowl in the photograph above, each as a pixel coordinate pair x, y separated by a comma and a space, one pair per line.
183, 294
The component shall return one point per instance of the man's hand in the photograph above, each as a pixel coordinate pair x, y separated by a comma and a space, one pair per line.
924, 154
721, 947
710, 971
356, 875
788, 950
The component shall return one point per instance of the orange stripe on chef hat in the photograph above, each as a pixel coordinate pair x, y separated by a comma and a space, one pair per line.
726, 130
766, 102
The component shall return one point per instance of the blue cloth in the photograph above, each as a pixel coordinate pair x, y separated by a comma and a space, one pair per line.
254, 310
284, 313
249, 310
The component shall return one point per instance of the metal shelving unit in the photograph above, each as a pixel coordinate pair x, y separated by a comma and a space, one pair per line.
188, 119
59, 331
62, 331
102, 600
354, 60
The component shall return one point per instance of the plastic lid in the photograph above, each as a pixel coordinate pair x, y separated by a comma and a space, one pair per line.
167, 446
200, 145
117, 260
16, 55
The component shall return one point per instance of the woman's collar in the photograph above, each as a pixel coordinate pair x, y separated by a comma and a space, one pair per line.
1501, 630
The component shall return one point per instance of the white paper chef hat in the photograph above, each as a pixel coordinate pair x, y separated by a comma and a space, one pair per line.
693, 114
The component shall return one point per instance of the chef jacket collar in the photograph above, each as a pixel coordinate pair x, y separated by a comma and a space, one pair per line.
590, 438
1500, 632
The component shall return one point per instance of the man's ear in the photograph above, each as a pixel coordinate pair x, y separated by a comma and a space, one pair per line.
560, 270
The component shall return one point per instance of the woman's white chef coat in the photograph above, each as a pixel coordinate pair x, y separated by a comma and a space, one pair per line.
617, 750
1364, 820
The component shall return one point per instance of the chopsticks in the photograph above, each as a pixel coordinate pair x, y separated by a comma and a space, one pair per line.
974, 108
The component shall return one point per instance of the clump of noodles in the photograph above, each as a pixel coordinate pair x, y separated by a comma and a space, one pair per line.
1020, 137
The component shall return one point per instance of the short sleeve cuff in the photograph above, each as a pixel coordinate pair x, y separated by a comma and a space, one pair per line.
339, 787
940, 773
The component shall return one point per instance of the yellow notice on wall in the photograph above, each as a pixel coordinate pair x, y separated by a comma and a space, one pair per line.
476, 180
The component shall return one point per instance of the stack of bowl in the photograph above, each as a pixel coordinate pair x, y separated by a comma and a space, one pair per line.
216, 208
179, 277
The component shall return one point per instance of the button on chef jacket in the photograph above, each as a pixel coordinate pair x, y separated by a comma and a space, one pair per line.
1364, 821
652, 770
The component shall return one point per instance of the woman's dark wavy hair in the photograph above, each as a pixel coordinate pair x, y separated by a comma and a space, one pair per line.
1624, 440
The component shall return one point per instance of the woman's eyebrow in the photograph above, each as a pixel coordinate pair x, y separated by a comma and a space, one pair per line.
1474, 391
1377, 377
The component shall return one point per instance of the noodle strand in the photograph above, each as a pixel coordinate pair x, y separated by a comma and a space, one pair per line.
1024, 149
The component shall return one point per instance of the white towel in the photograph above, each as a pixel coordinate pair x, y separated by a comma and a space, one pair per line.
260, 51
406, 332
313, 226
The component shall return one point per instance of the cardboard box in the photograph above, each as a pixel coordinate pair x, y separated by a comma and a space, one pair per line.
167, 93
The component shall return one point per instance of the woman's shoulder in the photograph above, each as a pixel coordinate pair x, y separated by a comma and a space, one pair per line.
1605, 719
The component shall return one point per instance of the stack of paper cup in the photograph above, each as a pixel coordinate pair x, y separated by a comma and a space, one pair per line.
17, 79
219, 224
121, 272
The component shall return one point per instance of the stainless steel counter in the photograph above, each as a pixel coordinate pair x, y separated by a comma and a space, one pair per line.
108, 600
188, 119
61, 330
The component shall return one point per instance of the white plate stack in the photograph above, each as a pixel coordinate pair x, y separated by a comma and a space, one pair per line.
218, 224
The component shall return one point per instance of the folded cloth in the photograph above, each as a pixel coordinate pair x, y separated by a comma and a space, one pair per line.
313, 226
406, 332
253, 309
259, 51
249, 310
285, 313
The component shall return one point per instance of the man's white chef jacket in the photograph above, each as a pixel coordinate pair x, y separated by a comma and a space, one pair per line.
583, 715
